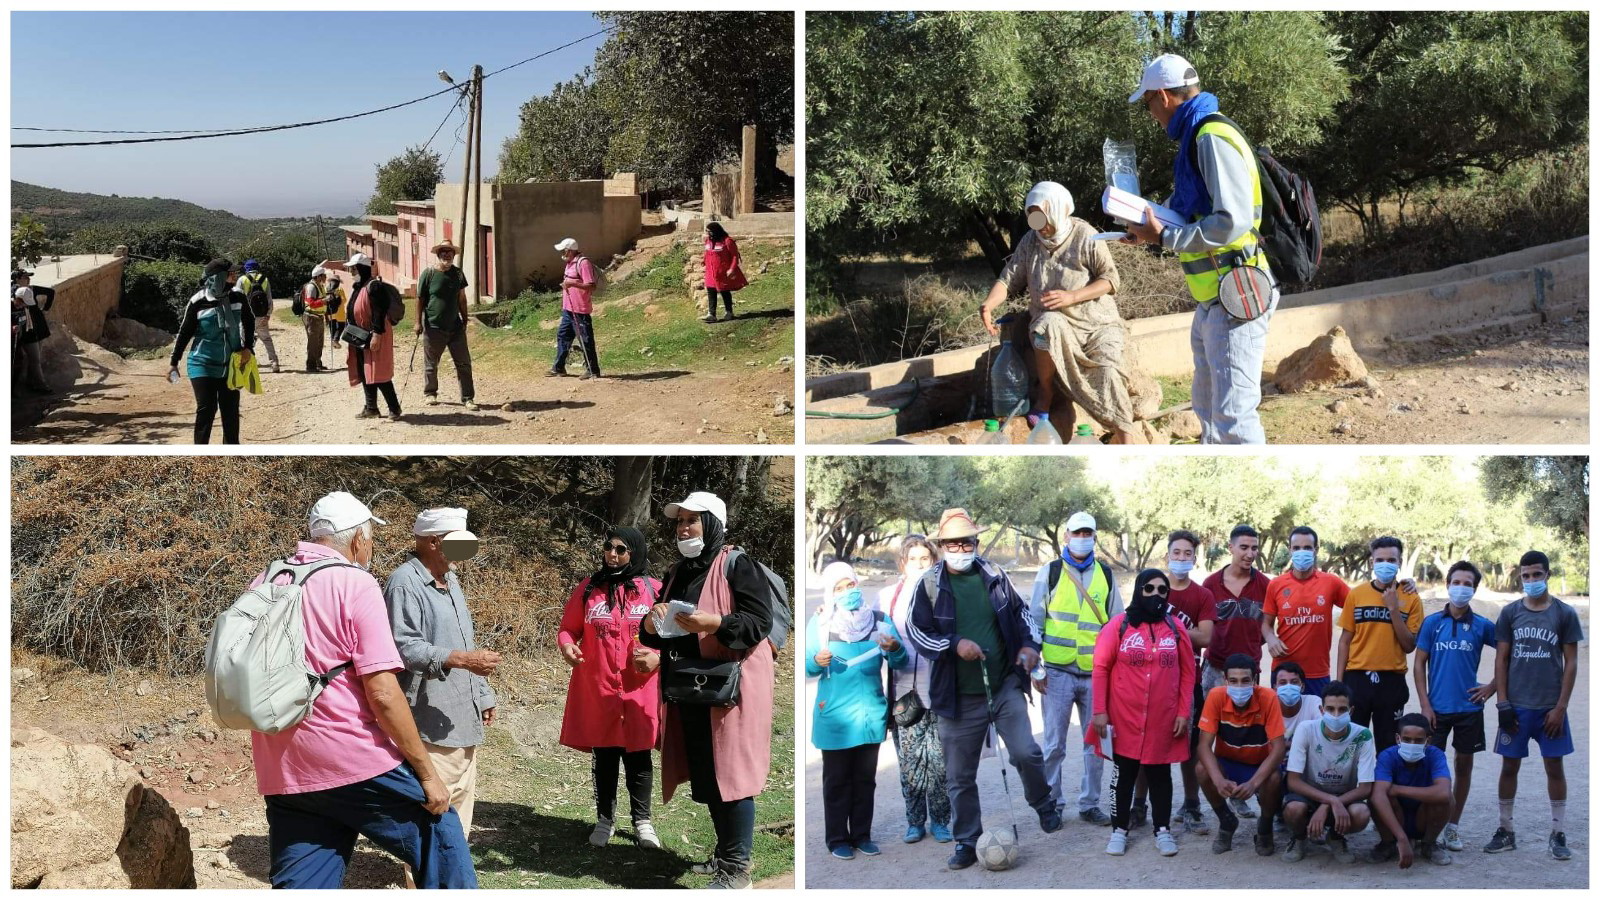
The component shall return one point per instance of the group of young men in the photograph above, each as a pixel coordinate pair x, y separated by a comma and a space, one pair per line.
1327, 746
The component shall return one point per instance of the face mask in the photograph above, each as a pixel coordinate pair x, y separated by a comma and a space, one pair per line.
1385, 572
217, 286
849, 600
1080, 547
914, 573
1289, 694
1302, 559
1180, 567
1037, 220
1460, 595
960, 562
691, 547
1412, 752
1336, 723
1240, 694
1533, 588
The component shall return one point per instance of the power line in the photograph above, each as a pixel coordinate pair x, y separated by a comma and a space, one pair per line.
262, 129
443, 121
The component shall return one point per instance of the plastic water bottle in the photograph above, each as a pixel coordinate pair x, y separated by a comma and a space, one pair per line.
992, 433
1044, 432
1084, 435
1008, 380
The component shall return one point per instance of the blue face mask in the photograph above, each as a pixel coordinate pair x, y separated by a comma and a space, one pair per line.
1385, 572
1240, 694
1180, 566
1412, 752
1534, 588
1460, 594
1336, 723
1302, 559
849, 600
1080, 547
1289, 694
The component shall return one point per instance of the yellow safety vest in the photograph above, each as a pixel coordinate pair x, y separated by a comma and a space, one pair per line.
1071, 623
1203, 271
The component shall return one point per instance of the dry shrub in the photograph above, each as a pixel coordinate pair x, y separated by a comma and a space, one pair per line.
127, 561
1151, 285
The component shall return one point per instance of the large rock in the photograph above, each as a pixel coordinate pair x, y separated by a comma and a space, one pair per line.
1144, 392
1327, 361
81, 818
132, 334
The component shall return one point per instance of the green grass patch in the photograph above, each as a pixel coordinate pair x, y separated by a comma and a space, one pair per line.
542, 810
1174, 390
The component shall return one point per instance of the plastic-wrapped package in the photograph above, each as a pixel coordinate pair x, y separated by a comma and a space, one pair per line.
1122, 165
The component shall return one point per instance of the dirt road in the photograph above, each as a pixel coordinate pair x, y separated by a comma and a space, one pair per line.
136, 404
1075, 856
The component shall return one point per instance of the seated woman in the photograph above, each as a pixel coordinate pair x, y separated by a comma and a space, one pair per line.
1077, 331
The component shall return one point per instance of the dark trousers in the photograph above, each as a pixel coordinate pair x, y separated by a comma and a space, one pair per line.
371, 390
312, 835
336, 328
849, 779
316, 328
735, 824
604, 765
1125, 772
576, 328
211, 394
963, 737
711, 301
436, 342
1378, 700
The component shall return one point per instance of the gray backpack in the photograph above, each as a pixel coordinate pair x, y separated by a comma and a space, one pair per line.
256, 672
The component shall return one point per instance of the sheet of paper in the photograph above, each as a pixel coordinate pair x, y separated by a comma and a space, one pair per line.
1105, 744
872, 654
669, 628
1126, 207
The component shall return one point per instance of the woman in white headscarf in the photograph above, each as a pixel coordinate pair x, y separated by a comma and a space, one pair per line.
1076, 330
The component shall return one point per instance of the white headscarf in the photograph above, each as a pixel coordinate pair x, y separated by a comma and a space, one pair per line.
1055, 202
850, 625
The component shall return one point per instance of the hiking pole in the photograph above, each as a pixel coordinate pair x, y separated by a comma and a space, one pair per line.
994, 729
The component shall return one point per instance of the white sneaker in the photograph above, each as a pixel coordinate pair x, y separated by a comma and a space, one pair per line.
1118, 844
1452, 838
1166, 843
601, 835
646, 833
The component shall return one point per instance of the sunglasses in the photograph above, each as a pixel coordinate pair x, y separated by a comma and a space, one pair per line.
618, 549
1159, 590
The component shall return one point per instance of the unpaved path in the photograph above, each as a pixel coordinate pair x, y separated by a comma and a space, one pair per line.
1530, 386
671, 406
1075, 856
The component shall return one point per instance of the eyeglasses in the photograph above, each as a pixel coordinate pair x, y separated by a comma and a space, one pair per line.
959, 545
618, 549
1159, 590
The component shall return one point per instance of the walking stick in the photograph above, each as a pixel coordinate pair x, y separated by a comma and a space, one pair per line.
994, 729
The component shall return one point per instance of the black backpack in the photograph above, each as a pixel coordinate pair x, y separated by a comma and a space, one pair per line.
1291, 226
1055, 572
260, 306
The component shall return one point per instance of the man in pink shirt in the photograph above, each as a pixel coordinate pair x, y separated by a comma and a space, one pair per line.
577, 286
355, 765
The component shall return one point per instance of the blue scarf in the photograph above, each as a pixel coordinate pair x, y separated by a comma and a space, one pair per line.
1190, 197
1066, 557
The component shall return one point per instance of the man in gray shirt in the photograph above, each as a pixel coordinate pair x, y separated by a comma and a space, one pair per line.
444, 679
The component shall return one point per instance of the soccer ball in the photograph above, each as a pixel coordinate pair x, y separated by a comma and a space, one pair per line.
998, 850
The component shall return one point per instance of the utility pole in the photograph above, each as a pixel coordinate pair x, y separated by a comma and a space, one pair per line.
466, 163
477, 188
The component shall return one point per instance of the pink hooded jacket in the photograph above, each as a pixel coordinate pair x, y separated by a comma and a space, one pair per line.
1144, 680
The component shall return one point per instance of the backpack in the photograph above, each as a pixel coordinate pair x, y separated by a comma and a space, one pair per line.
260, 306
1122, 630
1291, 226
1055, 572
299, 306
395, 305
782, 613
256, 672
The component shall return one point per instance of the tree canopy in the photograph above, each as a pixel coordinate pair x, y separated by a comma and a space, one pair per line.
413, 175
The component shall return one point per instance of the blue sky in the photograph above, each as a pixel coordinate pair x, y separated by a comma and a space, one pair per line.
190, 70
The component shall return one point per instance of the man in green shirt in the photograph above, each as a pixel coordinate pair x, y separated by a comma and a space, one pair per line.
442, 324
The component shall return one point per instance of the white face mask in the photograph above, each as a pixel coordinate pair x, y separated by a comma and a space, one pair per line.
689, 548
960, 561
915, 573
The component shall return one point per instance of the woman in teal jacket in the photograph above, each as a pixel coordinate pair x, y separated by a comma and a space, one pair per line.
219, 325
850, 718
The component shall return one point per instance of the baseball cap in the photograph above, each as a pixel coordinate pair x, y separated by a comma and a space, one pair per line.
440, 520
699, 501
1080, 520
359, 259
1167, 71
566, 244
337, 511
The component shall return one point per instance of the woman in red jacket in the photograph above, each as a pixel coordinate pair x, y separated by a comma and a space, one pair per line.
613, 705
722, 270
1143, 685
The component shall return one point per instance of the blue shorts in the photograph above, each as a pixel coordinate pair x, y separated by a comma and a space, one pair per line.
1315, 686
1237, 772
1408, 816
1530, 725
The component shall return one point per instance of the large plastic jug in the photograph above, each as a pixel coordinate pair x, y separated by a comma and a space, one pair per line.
1044, 432
1008, 380
1084, 435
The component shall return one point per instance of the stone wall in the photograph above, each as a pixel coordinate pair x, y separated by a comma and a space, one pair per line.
88, 289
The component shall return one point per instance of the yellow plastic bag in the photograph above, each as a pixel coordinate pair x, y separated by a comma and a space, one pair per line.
244, 375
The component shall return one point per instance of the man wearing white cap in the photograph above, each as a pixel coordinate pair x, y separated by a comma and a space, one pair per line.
355, 766
1072, 597
444, 678
1217, 190
314, 303
578, 281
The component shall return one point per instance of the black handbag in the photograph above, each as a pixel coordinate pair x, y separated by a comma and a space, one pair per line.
701, 682
356, 336
908, 710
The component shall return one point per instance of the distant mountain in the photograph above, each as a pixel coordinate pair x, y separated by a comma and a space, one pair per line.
63, 212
